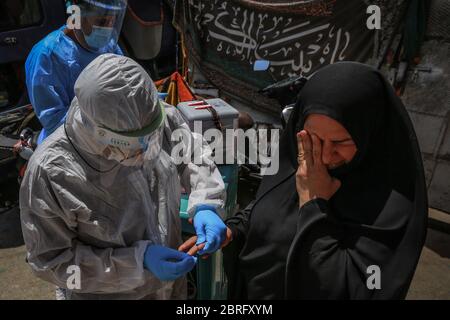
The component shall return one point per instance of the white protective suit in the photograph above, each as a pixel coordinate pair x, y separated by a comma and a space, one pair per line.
80, 209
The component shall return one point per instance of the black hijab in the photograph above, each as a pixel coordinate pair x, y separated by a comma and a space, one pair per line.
388, 156
377, 217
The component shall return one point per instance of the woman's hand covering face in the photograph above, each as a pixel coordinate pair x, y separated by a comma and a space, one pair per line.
312, 178
338, 147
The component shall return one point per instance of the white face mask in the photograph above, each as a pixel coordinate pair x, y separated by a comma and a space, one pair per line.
133, 162
129, 160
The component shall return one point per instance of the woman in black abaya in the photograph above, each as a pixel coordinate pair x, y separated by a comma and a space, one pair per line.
345, 217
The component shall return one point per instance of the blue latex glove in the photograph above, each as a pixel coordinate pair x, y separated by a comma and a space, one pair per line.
209, 228
167, 264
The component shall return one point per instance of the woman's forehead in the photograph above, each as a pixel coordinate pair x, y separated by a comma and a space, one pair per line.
324, 125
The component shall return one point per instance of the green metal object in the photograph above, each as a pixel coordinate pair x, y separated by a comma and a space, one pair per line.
211, 281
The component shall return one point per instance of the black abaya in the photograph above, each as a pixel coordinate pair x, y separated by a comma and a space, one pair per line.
327, 249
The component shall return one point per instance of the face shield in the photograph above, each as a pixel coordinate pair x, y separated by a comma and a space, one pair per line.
101, 23
130, 147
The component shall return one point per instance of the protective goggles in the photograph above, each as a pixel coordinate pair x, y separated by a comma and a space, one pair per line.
147, 140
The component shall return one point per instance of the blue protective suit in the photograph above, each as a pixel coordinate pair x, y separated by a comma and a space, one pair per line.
52, 68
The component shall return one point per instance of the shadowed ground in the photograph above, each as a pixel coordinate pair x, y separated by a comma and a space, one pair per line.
431, 281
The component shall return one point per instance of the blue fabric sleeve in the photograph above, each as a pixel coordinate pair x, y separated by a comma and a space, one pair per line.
47, 90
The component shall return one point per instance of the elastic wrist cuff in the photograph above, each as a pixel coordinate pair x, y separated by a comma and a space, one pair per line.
205, 207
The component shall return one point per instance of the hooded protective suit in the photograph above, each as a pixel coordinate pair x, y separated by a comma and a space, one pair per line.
82, 212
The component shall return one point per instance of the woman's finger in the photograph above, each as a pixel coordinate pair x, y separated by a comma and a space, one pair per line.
188, 244
316, 150
307, 148
195, 249
299, 144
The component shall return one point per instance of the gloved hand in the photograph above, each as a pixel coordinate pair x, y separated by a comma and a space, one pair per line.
209, 228
167, 264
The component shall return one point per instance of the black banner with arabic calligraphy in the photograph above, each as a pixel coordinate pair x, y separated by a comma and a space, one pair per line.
297, 37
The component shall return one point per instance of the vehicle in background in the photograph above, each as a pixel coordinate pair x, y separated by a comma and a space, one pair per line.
22, 24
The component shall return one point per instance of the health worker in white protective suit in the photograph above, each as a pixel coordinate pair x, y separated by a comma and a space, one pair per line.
100, 198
